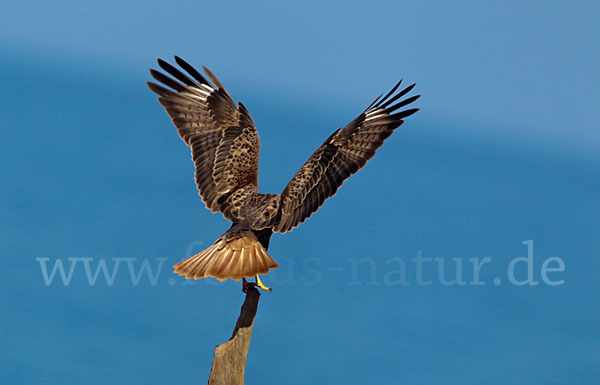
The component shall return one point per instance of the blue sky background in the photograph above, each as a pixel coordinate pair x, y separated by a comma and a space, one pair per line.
504, 150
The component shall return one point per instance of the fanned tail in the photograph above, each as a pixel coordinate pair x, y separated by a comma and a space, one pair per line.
236, 254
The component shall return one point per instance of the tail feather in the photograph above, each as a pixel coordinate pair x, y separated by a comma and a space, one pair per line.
235, 257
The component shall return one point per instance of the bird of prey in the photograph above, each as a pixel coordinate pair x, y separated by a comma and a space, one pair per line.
225, 149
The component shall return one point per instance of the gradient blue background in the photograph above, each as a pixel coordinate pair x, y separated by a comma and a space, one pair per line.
505, 149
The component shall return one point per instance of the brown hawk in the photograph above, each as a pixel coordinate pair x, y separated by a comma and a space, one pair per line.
225, 150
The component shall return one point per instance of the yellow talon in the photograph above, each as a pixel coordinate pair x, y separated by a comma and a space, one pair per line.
260, 284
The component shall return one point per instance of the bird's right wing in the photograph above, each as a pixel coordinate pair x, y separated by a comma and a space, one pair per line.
345, 152
224, 141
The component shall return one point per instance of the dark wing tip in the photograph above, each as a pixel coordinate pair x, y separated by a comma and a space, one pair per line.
161, 62
404, 114
398, 95
402, 103
159, 90
191, 70
410, 112
167, 81
176, 73
157, 74
390, 93
166, 66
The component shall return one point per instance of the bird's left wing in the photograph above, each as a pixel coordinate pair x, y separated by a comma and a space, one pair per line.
345, 152
224, 141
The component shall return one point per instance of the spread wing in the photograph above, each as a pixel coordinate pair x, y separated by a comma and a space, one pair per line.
345, 152
222, 136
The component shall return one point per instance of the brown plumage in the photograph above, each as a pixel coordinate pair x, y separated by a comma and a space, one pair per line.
225, 150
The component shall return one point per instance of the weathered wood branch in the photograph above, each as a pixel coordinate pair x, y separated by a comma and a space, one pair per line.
229, 361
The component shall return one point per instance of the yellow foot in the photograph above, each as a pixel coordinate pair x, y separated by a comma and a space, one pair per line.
248, 285
260, 284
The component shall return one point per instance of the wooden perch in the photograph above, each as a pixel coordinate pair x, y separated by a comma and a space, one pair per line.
229, 361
